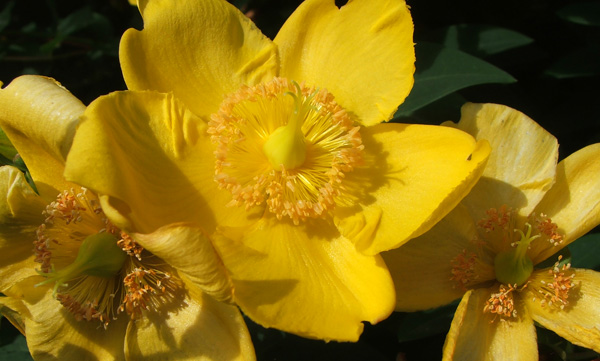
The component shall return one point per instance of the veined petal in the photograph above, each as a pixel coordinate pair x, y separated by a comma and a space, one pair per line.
579, 321
573, 202
190, 251
305, 279
199, 50
204, 329
39, 116
522, 163
152, 161
53, 333
363, 53
432, 254
15, 311
473, 337
20, 215
414, 176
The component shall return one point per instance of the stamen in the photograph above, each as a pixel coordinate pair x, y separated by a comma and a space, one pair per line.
555, 288
463, 269
548, 229
502, 303
305, 180
93, 282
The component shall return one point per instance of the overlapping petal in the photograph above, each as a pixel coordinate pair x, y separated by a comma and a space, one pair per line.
579, 321
53, 333
573, 202
20, 215
473, 337
204, 329
190, 251
522, 164
432, 254
152, 161
305, 279
39, 116
414, 175
362, 53
199, 50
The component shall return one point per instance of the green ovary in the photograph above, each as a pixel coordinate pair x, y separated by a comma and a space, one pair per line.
514, 266
99, 255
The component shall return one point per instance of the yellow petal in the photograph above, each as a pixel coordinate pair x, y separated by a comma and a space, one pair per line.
20, 216
422, 268
203, 329
15, 311
473, 337
362, 53
414, 175
579, 321
53, 333
573, 202
39, 116
305, 279
199, 50
152, 161
188, 250
522, 163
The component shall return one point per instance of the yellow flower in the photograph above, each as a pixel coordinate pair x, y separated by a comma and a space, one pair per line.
87, 290
523, 210
276, 151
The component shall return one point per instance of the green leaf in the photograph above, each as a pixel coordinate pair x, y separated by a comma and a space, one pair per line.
582, 62
584, 13
6, 148
481, 40
441, 71
585, 252
5, 14
13, 346
69, 25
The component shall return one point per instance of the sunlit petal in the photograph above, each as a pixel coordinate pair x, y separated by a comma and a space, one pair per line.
305, 279
199, 50
414, 175
39, 116
362, 53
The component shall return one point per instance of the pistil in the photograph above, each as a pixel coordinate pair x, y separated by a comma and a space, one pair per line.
99, 255
286, 146
513, 267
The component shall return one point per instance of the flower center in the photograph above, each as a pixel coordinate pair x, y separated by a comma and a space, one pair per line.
500, 253
513, 267
99, 255
97, 270
285, 145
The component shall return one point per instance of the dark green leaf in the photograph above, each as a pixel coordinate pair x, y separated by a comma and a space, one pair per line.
581, 62
6, 147
13, 346
481, 40
69, 25
5, 14
586, 252
441, 71
584, 13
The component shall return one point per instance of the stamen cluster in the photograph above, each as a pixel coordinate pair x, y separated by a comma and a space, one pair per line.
246, 120
144, 282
